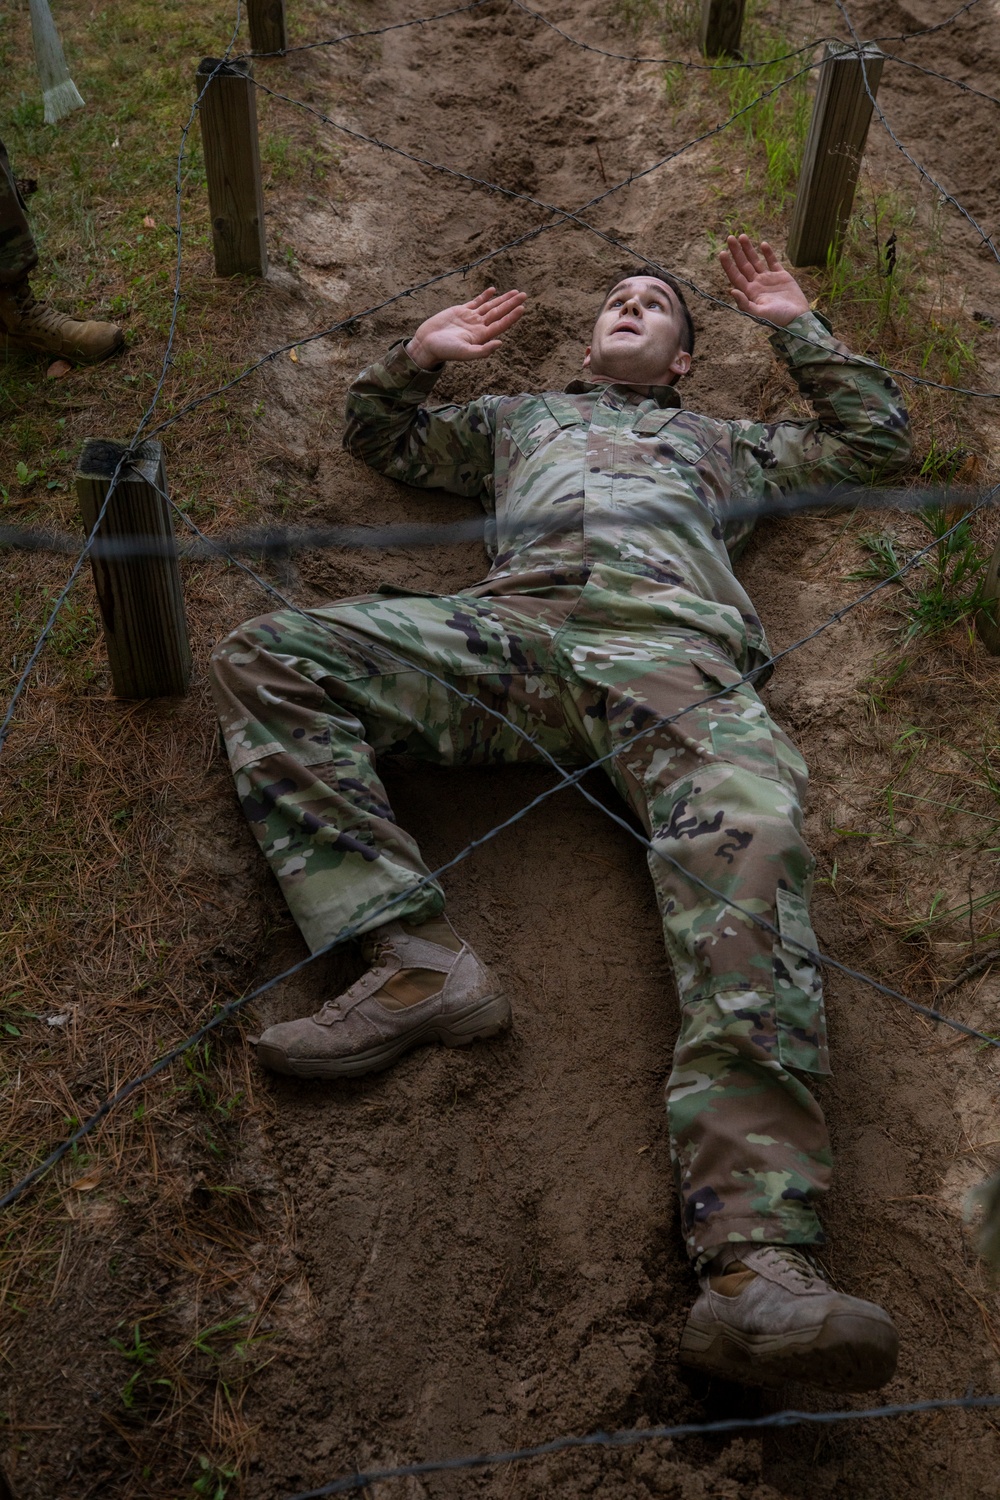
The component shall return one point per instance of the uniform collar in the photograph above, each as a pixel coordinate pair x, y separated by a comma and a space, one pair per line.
663, 395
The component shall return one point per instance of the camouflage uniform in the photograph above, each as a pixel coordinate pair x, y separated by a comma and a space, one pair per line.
611, 606
18, 256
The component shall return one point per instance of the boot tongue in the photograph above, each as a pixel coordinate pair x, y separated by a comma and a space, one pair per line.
409, 987
732, 1280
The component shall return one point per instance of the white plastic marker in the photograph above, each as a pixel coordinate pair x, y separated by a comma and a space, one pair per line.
59, 93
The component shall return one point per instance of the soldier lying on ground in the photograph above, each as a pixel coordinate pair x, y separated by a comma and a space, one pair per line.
611, 606
27, 325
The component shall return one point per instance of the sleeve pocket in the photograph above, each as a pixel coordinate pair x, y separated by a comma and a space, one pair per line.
798, 990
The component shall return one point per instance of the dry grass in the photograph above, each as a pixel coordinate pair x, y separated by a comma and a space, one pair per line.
150, 1261
156, 1256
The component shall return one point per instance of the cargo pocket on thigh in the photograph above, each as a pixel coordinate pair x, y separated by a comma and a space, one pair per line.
798, 990
739, 729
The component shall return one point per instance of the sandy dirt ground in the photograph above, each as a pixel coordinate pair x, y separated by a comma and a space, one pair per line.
489, 1244
486, 1241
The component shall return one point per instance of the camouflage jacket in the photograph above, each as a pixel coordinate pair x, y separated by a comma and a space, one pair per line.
623, 498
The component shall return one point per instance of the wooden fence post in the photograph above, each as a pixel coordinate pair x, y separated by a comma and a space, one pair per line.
721, 25
267, 25
140, 597
232, 166
988, 617
838, 130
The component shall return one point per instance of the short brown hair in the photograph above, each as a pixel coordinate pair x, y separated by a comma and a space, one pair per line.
687, 323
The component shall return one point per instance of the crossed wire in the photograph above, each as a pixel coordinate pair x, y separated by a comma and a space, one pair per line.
563, 216
566, 779
64, 593
781, 1419
575, 216
880, 116
673, 62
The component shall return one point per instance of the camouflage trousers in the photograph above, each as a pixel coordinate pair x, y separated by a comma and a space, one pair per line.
17, 245
309, 702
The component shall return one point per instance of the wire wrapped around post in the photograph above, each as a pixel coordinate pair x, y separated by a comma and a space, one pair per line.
228, 113
140, 597
838, 130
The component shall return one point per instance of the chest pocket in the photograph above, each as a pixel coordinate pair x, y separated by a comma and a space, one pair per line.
535, 422
679, 441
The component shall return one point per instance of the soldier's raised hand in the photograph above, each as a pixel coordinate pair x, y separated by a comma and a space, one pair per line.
470, 330
760, 283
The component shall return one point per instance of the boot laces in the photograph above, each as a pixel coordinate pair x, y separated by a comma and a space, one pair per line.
38, 317
796, 1261
377, 947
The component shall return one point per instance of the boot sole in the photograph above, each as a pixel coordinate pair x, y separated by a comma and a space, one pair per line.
485, 1019
843, 1353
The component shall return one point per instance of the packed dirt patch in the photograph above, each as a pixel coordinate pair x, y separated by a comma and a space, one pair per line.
486, 1246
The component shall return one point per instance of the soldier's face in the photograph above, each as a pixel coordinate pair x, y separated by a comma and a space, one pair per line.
637, 336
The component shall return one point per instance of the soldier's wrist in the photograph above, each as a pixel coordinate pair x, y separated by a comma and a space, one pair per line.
420, 356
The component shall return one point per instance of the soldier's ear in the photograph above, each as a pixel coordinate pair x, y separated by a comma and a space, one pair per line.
681, 363
586, 358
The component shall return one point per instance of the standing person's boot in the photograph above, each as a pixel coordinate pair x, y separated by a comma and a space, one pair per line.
425, 985
33, 327
766, 1316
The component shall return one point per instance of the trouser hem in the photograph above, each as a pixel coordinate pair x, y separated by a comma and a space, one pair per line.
732, 1234
425, 903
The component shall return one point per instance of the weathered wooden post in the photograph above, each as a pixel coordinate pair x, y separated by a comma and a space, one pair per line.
232, 166
267, 25
838, 130
140, 595
721, 25
988, 617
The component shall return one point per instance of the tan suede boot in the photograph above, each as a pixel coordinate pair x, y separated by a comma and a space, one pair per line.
768, 1317
33, 327
425, 985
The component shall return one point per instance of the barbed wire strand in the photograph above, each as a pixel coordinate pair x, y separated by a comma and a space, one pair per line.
880, 116
618, 1439
355, 36
574, 216
672, 62
899, 36
568, 779
745, 63
630, 1436
967, 88
47, 627
706, 67
282, 541
565, 215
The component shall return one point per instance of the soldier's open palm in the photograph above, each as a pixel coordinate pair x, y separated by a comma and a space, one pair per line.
470, 330
761, 285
